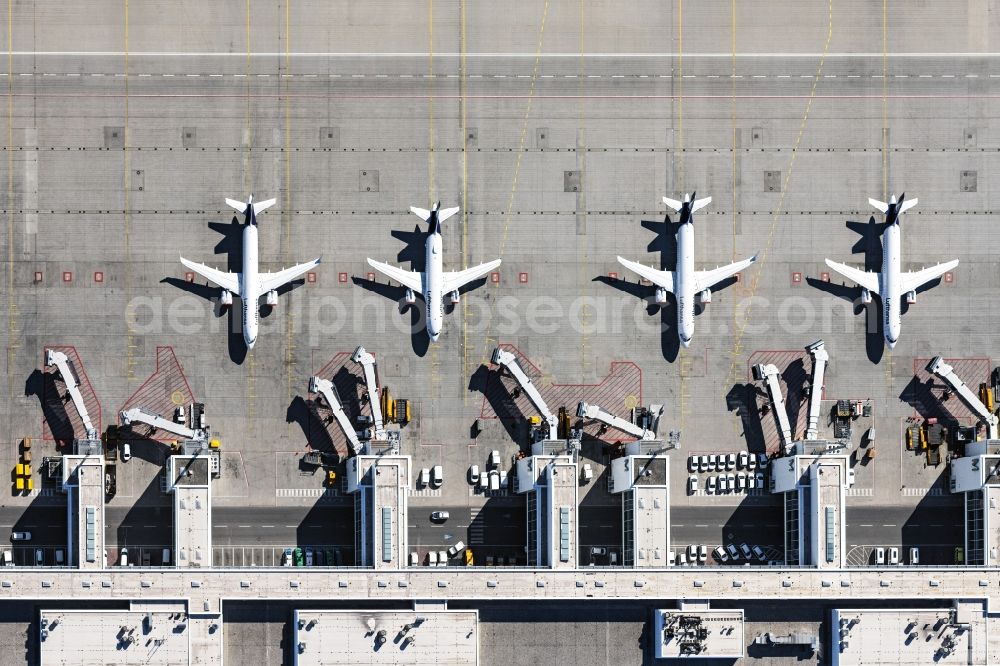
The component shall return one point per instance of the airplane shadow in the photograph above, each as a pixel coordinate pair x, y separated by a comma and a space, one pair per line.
869, 243
413, 247
418, 334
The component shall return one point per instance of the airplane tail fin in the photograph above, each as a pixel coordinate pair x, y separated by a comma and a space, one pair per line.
700, 203
239, 206
446, 213
673, 203
258, 206
261, 206
907, 205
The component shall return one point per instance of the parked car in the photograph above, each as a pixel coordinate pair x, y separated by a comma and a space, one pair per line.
713, 482
439, 516
742, 460
914, 556
693, 463
702, 554
731, 461
751, 462
880, 556
20, 536
759, 553
598, 550
671, 558
414, 558
711, 462
126, 452
588, 474
730, 482
474, 474
40, 557
432, 558
741, 481
300, 559
437, 476
745, 549
122, 557
456, 548
442, 558
762, 460
692, 553
61, 556
682, 559
425, 477
894, 556
751, 481
720, 554
165, 559
760, 479
703, 464
733, 553
309, 557
692, 484
723, 484
286, 559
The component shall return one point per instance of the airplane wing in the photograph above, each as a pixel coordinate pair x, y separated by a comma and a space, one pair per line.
452, 281
910, 281
664, 279
228, 281
409, 279
705, 279
269, 281
864, 279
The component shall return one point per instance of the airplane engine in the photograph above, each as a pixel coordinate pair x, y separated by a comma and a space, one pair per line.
911, 297
661, 295
272, 298
455, 298
866, 296
411, 298
705, 297
225, 297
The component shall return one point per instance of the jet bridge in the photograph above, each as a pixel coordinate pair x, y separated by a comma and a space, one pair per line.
770, 375
593, 412
329, 392
507, 360
367, 362
938, 367
139, 415
62, 363
820, 358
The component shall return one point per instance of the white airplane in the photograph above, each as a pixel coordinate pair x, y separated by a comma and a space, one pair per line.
434, 282
249, 284
685, 282
891, 284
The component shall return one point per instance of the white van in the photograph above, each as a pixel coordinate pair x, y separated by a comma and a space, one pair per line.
166, 557
123, 558
914, 556
880, 556
425, 477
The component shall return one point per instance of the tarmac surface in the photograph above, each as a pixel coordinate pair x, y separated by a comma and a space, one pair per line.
557, 127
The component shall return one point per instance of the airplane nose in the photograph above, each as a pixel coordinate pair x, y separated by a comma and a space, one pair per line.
433, 336
891, 342
685, 342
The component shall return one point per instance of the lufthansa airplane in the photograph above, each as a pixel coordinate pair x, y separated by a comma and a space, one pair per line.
685, 282
249, 284
434, 282
890, 284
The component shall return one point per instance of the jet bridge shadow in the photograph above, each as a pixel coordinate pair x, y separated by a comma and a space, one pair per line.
314, 428
55, 405
926, 398
795, 377
742, 398
489, 383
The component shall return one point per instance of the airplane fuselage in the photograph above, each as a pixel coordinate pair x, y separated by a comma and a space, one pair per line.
684, 289
433, 279
889, 286
250, 286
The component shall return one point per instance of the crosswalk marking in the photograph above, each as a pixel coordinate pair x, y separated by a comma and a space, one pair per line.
306, 492
860, 492
477, 531
426, 492
918, 492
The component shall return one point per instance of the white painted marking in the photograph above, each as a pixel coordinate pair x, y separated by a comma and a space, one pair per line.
487, 54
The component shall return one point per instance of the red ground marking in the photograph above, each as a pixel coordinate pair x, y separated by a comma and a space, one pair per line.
926, 391
825, 277
949, 277
613, 275
795, 367
156, 393
495, 277
189, 277
59, 419
796, 278
371, 277
99, 276
310, 277
67, 276
624, 378
38, 276
342, 278
522, 278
